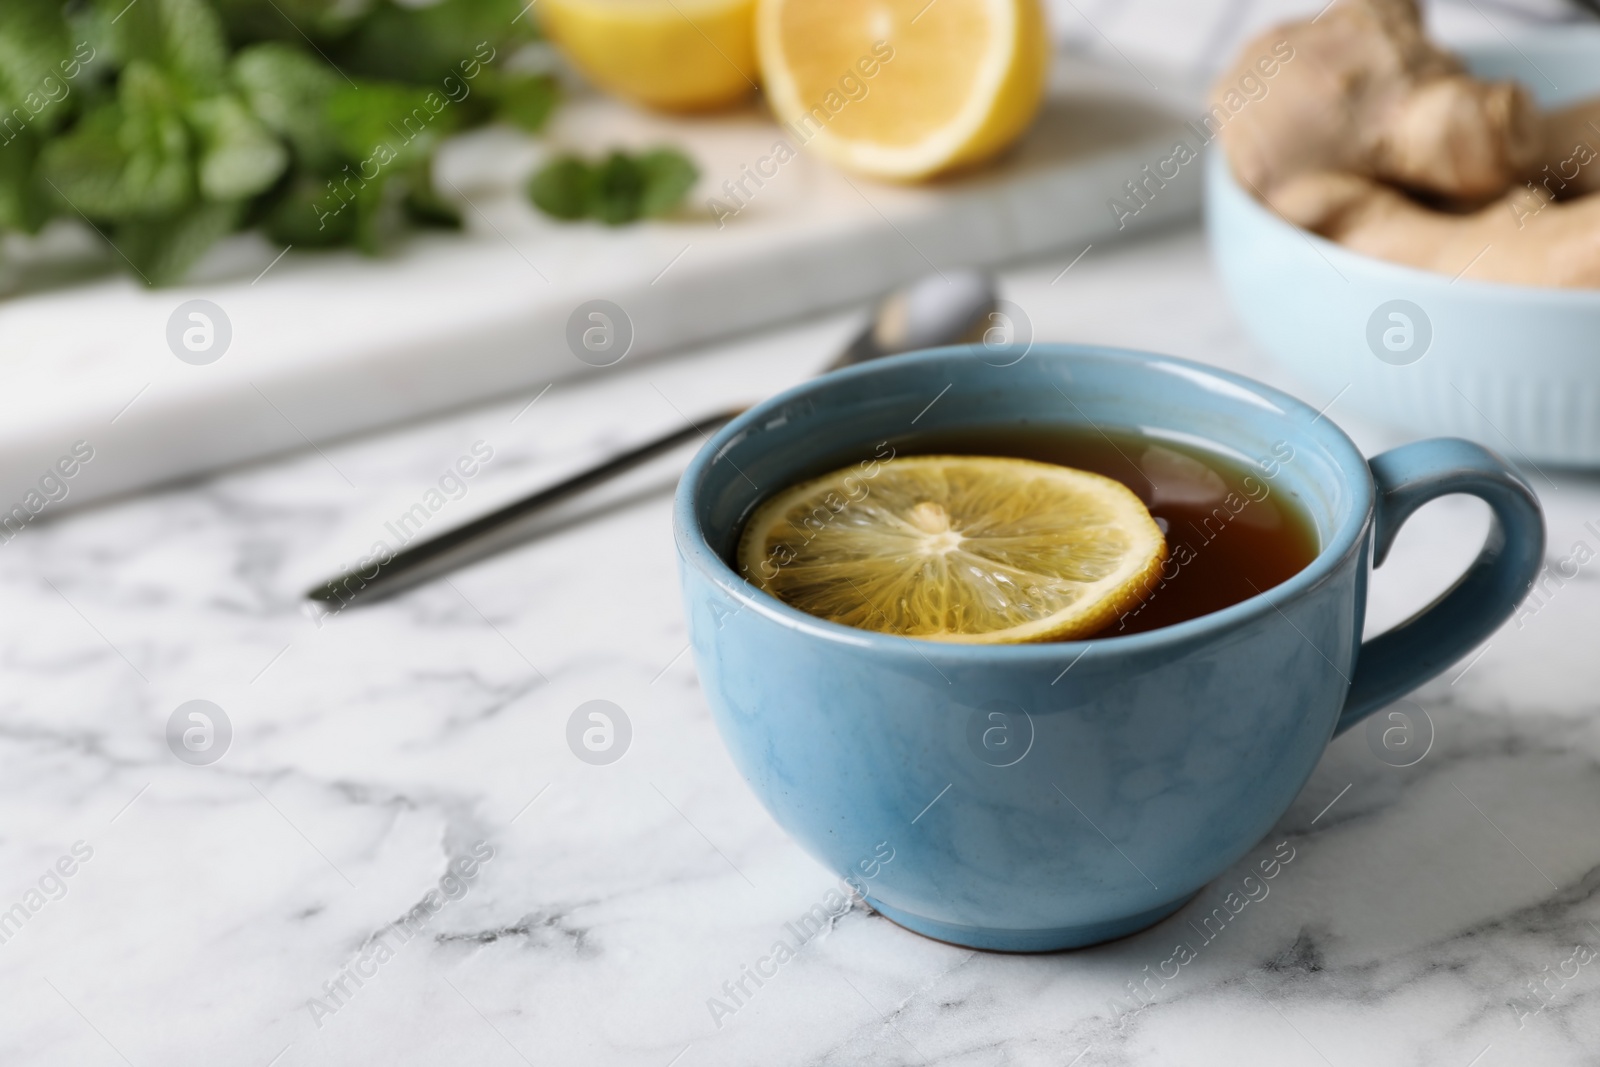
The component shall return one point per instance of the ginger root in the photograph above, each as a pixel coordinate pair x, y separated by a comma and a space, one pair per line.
1373, 137
1556, 245
1366, 93
1571, 162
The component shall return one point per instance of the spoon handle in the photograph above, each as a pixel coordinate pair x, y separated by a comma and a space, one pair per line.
943, 308
479, 538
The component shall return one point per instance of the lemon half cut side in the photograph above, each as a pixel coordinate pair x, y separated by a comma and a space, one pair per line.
972, 549
904, 89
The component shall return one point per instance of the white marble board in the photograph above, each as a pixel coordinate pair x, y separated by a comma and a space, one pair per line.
326, 345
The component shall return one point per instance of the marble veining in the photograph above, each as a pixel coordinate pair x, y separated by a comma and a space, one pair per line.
1439, 913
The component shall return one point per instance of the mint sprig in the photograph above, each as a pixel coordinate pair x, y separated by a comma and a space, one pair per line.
167, 124
616, 190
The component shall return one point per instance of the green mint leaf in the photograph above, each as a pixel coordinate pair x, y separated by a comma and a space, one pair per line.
382, 125
22, 205
322, 21
380, 214
163, 249
428, 44
34, 58
308, 214
289, 89
561, 189
183, 38
423, 204
369, 212
617, 190
239, 157
669, 175
85, 166
125, 159
526, 100
159, 175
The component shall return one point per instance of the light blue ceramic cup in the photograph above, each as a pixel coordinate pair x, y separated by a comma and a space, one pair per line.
1129, 771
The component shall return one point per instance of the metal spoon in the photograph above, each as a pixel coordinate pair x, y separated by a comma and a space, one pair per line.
937, 310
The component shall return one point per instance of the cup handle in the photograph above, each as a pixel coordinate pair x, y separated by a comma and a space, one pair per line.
1394, 663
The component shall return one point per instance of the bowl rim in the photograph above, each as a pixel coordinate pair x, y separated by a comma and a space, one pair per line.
1349, 533
1383, 271
1372, 269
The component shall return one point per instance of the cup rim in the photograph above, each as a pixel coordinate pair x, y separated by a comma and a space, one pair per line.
695, 550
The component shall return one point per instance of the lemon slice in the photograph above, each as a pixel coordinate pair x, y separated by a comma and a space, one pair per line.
904, 89
971, 549
677, 55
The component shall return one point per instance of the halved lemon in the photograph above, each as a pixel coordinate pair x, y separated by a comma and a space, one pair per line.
904, 89
971, 549
677, 55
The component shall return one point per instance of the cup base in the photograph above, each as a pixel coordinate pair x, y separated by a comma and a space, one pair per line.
1047, 940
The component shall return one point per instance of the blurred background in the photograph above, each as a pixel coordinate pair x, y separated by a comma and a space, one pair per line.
382, 205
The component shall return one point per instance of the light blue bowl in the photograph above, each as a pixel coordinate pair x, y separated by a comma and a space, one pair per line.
1514, 367
1031, 797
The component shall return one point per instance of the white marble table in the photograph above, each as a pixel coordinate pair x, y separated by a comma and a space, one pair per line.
283, 905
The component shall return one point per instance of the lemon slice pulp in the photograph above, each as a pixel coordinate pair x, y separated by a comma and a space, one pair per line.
904, 89
973, 549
